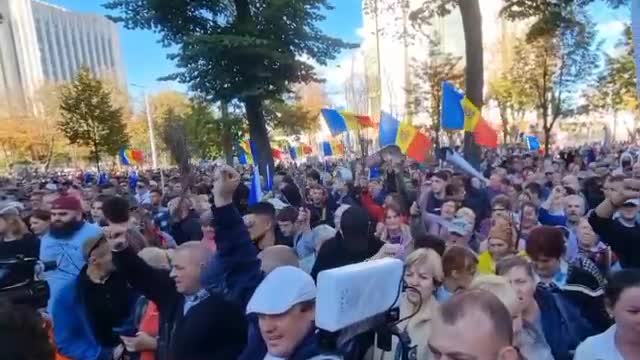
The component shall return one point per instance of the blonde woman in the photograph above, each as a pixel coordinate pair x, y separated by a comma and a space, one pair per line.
527, 338
423, 274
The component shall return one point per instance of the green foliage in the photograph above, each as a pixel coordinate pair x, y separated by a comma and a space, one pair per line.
615, 90
88, 117
232, 50
288, 119
247, 50
209, 133
549, 15
553, 68
512, 95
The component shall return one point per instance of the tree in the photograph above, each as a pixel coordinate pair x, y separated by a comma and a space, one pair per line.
426, 97
553, 66
549, 15
289, 118
89, 118
246, 50
474, 70
512, 96
614, 90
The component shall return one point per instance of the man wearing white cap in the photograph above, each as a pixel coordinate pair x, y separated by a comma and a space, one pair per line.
285, 306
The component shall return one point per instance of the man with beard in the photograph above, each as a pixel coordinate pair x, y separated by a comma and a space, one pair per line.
64, 242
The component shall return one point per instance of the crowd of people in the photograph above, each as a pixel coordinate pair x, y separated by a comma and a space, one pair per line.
538, 259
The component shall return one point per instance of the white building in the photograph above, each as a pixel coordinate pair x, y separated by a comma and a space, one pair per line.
42, 43
396, 61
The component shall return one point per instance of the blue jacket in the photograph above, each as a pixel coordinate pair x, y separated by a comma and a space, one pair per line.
71, 327
234, 270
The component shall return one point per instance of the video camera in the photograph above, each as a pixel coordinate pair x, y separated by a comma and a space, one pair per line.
361, 298
20, 283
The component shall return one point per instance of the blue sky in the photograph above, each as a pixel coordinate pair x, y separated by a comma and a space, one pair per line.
145, 60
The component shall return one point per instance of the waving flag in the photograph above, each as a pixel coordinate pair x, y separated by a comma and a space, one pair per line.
246, 156
388, 129
485, 135
335, 121
452, 113
471, 114
532, 142
406, 134
131, 157
255, 194
326, 148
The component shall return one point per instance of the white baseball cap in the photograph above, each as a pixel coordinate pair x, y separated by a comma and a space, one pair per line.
283, 288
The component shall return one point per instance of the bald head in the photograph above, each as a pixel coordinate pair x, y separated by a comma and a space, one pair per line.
276, 256
473, 324
196, 250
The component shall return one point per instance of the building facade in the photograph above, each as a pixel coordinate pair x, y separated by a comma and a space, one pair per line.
43, 43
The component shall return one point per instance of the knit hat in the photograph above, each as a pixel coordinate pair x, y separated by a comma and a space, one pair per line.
502, 230
70, 203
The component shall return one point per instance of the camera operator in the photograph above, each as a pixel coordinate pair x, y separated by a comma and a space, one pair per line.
23, 335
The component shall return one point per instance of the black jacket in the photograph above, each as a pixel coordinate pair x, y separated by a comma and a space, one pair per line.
334, 254
187, 229
213, 329
108, 305
624, 240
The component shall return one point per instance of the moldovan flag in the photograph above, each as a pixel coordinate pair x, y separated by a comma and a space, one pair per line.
248, 154
452, 117
485, 135
351, 120
419, 147
471, 114
406, 134
388, 129
365, 121
335, 121
326, 148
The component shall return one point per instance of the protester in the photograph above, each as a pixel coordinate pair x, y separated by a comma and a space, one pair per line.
473, 324
22, 334
614, 233
90, 309
142, 196
261, 223
622, 340
97, 216
64, 242
423, 273
276, 256
527, 337
15, 237
147, 316
352, 244
186, 222
459, 265
39, 222
195, 323
286, 316
395, 231
501, 242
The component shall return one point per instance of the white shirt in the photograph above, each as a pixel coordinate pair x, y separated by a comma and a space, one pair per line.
599, 347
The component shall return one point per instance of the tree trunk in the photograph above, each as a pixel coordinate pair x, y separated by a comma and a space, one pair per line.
258, 133
227, 136
505, 125
474, 72
49, 154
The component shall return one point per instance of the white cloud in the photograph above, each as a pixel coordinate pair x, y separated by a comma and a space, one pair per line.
610, 29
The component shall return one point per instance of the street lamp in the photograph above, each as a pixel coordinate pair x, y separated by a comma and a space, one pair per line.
152, 139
